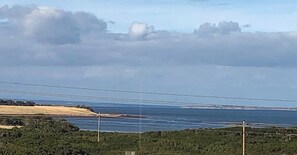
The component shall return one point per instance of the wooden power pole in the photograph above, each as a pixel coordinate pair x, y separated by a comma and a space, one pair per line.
243, 138
99, 122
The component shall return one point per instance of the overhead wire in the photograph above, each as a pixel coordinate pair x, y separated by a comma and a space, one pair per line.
234, 130
219, 130
134, 100
150, 93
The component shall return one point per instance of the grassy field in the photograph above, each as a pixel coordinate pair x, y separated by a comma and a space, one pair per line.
46, 110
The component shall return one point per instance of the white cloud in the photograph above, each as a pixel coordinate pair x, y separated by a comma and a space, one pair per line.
51, 25
139, 30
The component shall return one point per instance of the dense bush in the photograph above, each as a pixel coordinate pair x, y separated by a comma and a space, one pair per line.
85, 107
45, 135
16, 103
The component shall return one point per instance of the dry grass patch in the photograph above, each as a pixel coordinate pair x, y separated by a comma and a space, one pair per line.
47, 110
8, 126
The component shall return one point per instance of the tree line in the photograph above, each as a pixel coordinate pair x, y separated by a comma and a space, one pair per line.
32, 103
17, 103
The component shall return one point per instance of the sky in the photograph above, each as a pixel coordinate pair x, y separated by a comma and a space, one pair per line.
203, 47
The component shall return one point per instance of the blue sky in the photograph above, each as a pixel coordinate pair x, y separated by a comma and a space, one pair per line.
224, 48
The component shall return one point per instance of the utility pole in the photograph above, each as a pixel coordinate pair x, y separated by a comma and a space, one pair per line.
99, 122
140, 119
243, 138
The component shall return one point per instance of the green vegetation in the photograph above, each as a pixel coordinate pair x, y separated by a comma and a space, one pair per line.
45, 135
16, 103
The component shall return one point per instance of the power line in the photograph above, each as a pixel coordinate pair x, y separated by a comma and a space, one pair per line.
219, 130
150, 93
134, 100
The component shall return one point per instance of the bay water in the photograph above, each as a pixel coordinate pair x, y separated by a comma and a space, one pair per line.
161, 118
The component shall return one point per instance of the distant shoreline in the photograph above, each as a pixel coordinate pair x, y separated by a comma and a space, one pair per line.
236, 107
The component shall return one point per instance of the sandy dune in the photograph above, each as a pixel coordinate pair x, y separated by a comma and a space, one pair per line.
47, 110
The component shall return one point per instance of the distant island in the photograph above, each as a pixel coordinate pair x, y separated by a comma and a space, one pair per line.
238, 107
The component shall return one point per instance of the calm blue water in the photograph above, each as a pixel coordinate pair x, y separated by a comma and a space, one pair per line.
176, 118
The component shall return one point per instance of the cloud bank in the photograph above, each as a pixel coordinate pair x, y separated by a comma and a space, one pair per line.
44, 36
50, 45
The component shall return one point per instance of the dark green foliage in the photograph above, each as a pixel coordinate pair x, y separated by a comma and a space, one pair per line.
16, 103
6, 120
45, 135
85, 107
